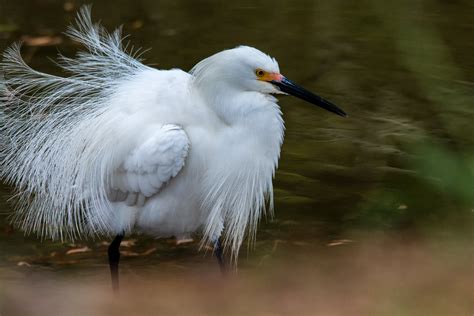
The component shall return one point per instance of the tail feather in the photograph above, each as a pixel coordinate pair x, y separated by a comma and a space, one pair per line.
47, 151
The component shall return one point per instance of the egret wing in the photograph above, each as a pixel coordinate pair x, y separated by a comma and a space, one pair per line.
150, 165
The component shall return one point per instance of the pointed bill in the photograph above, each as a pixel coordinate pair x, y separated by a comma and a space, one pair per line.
288, 86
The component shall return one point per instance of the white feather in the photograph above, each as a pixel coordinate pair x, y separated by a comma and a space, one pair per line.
50, 154
154, 162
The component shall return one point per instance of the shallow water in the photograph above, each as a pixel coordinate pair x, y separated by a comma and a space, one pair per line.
374, 213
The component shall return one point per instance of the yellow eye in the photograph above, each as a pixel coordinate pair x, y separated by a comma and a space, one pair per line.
260, 73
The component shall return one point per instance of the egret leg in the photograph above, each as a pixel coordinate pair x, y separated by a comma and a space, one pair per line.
219, 253
114, 258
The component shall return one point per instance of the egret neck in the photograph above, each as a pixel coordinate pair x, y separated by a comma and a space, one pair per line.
253, 115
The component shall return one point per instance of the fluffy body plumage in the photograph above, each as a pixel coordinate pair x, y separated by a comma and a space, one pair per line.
118, 146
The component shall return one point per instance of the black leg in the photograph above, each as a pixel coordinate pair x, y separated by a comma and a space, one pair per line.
219, 253
114, 258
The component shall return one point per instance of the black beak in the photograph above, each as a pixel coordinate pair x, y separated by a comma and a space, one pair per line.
292, 88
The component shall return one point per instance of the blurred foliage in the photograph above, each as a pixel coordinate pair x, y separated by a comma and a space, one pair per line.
450, 172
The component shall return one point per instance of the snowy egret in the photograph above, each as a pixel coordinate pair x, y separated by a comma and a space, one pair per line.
118, 147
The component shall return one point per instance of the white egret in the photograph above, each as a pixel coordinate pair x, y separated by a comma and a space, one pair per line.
118, 147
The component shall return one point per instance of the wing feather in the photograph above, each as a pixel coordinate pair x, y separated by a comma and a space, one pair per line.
150, 165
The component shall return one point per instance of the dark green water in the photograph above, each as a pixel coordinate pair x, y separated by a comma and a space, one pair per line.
401, 165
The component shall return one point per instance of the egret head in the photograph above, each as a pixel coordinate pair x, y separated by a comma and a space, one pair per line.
246, 68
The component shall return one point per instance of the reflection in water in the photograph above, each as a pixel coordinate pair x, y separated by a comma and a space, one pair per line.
400, 165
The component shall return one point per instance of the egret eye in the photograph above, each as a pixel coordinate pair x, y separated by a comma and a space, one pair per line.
260, 73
